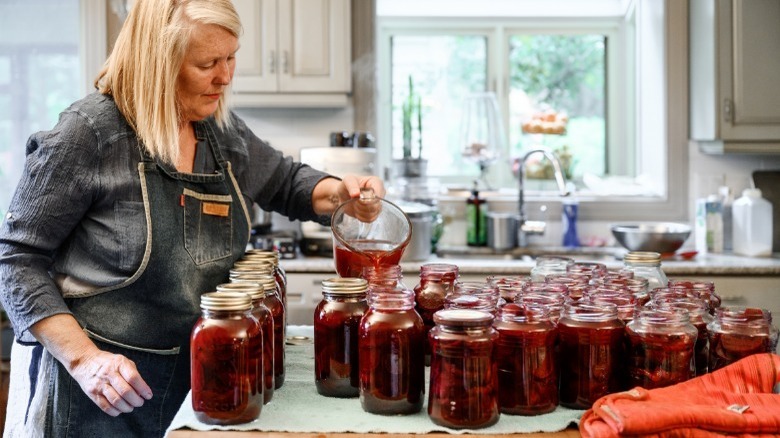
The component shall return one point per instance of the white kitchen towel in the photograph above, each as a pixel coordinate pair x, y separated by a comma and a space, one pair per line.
297, 407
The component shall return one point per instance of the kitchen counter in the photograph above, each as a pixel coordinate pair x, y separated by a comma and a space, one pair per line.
700, 265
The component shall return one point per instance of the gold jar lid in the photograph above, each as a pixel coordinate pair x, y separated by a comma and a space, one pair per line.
248, 272
344, 286
225, 301
262, 254
647, 257
255, 290
258, 264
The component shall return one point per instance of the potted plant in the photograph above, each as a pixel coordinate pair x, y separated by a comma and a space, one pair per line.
411, 166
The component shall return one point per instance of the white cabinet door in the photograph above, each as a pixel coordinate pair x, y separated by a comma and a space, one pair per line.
256, 60
294, 49
750, 45
314, 44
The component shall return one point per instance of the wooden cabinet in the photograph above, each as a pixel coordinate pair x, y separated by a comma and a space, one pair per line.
293, 53
733, 75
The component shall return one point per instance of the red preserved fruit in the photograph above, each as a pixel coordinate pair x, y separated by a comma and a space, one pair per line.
391, 358
436, 281
275, 306
738, 332
366, 253
464, 377
527, 361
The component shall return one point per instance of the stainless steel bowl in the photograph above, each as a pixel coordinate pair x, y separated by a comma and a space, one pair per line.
664, 237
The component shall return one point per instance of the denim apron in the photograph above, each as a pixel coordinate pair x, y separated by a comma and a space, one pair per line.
197, 226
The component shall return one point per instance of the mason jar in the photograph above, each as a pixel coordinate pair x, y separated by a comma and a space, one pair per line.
738, 332
263, 347
699, 315
336, 324
549, 265
391, 356
646, 264
464, 373
436, 281
274, 304
223, 389
591, 352
527, 360
661, 348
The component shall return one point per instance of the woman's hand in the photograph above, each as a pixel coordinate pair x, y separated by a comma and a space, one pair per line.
110, 380
331, 192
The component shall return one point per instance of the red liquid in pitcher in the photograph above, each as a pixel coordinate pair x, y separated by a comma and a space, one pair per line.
374, 253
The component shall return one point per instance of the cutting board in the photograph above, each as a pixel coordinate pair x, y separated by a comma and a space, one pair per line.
769, 183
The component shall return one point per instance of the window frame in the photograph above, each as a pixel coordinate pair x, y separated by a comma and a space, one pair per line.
661, 124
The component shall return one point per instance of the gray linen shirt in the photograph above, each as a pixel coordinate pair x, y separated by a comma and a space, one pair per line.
78, 210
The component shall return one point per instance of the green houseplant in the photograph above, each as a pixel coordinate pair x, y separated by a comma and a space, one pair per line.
411, 110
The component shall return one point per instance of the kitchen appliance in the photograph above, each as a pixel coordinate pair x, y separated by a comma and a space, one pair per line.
316, 239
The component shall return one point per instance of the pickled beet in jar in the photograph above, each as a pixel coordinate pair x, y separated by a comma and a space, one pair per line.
275, 306
738, 332
223, 388
278, 272
661, 348
336, 324
592, 353
464, 373
263, 348
527, 360
391, 356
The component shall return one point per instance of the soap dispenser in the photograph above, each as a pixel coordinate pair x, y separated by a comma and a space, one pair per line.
476, 219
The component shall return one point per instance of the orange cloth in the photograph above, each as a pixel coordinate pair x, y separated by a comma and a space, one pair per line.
706, 406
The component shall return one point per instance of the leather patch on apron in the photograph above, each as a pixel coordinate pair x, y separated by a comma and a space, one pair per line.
216, 209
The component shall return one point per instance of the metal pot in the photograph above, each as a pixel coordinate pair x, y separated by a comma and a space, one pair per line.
426, 226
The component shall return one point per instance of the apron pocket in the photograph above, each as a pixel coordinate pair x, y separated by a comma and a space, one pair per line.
208, 226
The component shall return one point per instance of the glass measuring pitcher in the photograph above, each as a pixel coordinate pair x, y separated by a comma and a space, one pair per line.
368, 231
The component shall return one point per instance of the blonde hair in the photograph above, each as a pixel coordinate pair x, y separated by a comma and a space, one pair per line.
141, 71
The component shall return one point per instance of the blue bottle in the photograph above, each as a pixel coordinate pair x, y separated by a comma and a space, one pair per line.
569, 222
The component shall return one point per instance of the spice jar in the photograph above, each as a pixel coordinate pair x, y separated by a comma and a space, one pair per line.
591, 351
391, 358
263, 349
223, 391
336, 323
436, 281
738, 332
661, 346
464, 373
527, 360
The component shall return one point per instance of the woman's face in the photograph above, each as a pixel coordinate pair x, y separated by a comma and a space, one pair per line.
206, 71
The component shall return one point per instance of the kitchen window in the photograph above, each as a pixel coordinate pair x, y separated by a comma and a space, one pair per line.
584, 65
45, 46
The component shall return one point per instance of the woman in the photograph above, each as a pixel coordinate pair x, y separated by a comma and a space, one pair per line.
128, 210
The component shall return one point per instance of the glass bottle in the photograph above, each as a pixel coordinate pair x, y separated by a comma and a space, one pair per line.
646, 264
464, 373
738, 332
264, 347
591, 352
436, 281
527, 360
661, 348
336, 323
391, 358
222, 388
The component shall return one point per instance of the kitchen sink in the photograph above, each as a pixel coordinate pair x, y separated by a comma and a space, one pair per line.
592, 254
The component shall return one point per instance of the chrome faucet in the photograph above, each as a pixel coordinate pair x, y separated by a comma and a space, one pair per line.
524, 226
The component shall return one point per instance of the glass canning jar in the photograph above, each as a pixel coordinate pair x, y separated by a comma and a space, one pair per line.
223, 391
464, 373
549, 265
391, 357
275, 306
646, 264
263, 349
436, 281
737, 332
552, 303
336, 323
527, 360
278, 272
661, 347
591, 352
699, 315
701, 289
384, 276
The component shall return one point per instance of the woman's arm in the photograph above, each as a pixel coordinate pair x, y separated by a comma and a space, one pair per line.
329, 193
